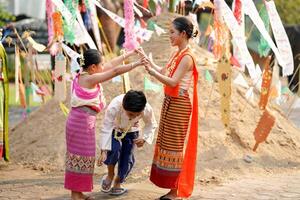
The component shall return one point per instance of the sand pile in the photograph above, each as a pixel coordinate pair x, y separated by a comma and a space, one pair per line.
40, 140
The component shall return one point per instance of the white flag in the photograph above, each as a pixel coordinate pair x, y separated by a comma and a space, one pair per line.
239, 80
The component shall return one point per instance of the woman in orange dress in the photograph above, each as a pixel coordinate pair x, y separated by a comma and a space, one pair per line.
172, 168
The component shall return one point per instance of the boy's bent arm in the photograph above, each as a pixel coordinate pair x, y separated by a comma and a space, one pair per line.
108, 126
150, 124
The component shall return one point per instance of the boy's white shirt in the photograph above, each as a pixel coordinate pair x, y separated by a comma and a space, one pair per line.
110, 122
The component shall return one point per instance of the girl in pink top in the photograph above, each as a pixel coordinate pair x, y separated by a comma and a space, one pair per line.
86, 101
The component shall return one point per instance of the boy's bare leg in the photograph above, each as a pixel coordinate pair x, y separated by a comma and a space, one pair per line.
117, 183
111, 173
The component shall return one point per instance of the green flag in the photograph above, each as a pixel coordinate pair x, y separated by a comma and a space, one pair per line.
208, 76
263, 47
148, 85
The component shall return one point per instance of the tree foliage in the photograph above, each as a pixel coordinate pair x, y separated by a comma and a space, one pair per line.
289, 11
5, 17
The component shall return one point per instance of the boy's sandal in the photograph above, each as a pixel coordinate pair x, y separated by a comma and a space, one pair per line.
105, 185
117, 191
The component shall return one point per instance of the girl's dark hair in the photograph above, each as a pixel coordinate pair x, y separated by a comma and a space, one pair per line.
184, 24
90, 57
134, 101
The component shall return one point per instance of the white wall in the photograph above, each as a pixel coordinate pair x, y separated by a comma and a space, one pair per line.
31, 8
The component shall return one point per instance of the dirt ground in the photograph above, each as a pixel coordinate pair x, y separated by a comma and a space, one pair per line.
21, 183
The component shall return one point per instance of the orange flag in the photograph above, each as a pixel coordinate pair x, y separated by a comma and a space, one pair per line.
263, 128
265, 86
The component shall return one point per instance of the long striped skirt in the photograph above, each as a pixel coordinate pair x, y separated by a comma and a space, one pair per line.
168, 154
80, 155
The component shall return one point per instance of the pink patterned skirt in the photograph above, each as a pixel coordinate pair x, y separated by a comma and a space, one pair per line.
81, 147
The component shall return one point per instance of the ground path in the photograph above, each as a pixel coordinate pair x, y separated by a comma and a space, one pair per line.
19, 183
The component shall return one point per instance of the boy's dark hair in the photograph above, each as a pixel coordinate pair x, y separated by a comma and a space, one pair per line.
134, 101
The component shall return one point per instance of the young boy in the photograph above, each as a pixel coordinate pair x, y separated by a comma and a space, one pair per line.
119, 135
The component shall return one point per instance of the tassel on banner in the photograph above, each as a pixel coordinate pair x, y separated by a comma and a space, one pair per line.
57, 24
265, 86
60, 77
263, 128
224, 80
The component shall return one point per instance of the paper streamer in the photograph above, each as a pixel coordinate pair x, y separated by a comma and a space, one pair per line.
140, 32
254, 16
71, 53
208, 76
81, 34
57, 24
95, 25
238, 37
238, 12
88, 38
35, 45
130, 38
35, 97
265, 86
60, 79
239, 80
224, 80
49, 11
263, 128
263, 47
17, 69
282, 41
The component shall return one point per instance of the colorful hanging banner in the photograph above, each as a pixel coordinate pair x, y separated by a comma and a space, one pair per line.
238, 12
240, 80
263, 47
281, 38
35, 97
60, 78
95, 28
251, 11
208, 76
57, 25
37, 46
49, 11
263, 128
4, 99
81, 34
71, 53
265, 86
87, 36
238, 37
140, 32
224, 80
130, 37
17, 68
